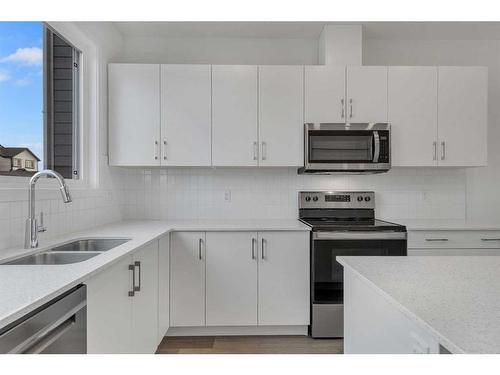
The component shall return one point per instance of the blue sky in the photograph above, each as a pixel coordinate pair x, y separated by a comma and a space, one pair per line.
21, 85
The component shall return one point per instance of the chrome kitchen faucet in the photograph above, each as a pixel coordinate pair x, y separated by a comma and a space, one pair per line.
32, 227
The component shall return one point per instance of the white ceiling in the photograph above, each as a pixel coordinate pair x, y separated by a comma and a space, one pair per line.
372, 30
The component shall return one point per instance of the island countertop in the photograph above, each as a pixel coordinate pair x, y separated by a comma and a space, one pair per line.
455, 299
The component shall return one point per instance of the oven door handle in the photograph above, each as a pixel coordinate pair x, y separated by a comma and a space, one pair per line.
359, 235
376, 149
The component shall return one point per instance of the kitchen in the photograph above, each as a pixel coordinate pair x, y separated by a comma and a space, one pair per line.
199, 147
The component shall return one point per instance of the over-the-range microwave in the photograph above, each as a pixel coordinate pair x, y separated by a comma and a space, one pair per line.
346, 148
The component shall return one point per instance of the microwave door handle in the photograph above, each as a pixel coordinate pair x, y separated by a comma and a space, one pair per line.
376, 149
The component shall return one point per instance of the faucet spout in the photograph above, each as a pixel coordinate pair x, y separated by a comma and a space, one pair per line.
32, 228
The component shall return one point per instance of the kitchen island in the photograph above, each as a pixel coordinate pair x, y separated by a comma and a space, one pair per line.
421, 304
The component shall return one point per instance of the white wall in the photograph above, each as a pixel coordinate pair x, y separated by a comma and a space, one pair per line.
482, 185
95, 204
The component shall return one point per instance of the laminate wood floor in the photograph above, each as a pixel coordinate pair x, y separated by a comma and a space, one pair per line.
249, 345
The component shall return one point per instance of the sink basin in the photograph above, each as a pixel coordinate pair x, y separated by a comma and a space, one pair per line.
52, 258
91, 244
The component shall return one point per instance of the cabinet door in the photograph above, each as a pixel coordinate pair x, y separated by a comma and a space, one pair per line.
231, 278
187, 279
163, 286
413, 115
145, 300
284, 278
186, 123
463, 116
324, 90
366, 94
109, 310
134, 114
234, 115
281, 115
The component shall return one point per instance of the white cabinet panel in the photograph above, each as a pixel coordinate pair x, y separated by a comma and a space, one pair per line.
453, 252
134, 114
366, 94
284, 278
234, 115
145, 300
231, 279
281, 117
463, 116
186, 115
187, 279
413, 112
324, 98
163, 286
109, 310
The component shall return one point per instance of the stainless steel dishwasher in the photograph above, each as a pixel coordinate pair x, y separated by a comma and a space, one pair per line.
57, 327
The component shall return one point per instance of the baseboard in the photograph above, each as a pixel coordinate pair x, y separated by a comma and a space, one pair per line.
238, 331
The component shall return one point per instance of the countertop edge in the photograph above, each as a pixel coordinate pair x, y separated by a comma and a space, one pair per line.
441, 339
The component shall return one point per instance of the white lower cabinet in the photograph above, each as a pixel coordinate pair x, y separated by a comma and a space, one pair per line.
187, 279
122, 305
284, 278
163, 286
231, 278
250, 279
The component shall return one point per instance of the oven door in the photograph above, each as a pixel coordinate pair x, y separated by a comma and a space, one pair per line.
328, 275
341, 147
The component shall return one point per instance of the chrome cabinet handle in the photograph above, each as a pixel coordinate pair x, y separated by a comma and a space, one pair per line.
443, 150
436, 239
254, 241
263, 247
200, 249
255, 150
350, 108
264, 150
155, 148
342, 107
164, 149
138, 266
490, 239
435, 150
131, 267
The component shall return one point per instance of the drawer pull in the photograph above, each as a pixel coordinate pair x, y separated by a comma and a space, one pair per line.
490, 239
436, 239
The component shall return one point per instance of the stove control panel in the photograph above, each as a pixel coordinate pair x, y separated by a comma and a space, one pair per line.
337, 199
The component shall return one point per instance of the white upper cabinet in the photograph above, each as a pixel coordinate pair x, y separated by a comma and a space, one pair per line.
281, 115
324, 88
366, 94
234, 115
231, 278
413, 115
186, 115
462, 116
134, 114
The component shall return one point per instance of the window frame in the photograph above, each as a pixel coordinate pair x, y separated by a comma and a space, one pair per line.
14, 160
88, 119
29, 164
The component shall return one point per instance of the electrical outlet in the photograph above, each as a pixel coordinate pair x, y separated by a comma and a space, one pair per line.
227, 195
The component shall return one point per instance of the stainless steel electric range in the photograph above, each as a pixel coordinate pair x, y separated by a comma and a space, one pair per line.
343, 223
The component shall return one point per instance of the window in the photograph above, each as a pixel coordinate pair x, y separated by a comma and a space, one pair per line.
39, 100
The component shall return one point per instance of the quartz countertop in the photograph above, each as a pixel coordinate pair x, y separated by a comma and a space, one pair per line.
26, 287
448, 224
455, 299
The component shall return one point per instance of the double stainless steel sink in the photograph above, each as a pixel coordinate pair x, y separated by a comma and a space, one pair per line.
71, 252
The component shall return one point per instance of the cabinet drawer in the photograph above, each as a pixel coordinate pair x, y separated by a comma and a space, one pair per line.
454, 252
471, 239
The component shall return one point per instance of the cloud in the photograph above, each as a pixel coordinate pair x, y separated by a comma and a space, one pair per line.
24, 81
25, 56
4, 76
